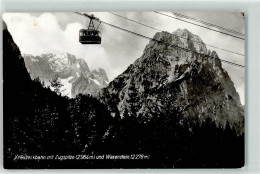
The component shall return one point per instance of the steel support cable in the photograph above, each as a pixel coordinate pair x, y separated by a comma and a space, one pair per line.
160, 42
201, 43
207, 23
199, 25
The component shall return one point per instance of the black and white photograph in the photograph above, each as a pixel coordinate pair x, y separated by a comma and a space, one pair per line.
124, 90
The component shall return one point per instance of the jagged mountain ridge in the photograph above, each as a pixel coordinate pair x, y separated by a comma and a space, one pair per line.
73, 73
37, 122
167, 79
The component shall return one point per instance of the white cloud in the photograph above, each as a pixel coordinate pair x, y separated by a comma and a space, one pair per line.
39, 35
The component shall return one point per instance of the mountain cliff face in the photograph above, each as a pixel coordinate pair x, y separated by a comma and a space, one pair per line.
37, 121
167, 79
74, 74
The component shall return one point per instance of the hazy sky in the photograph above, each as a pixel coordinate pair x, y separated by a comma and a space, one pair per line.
38, 33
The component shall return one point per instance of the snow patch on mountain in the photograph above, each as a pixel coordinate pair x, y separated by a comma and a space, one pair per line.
73, 73
96, 81
66, 86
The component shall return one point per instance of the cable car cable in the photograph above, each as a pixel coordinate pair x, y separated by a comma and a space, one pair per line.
146, 37
134, 21
171, 45
199, 25
207, 23
176, 35
160, 42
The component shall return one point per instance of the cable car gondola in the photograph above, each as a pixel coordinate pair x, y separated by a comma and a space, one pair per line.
90, 35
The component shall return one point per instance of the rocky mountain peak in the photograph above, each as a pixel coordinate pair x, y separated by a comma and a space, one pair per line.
101, 73
169, 79
81, 64
73, 73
